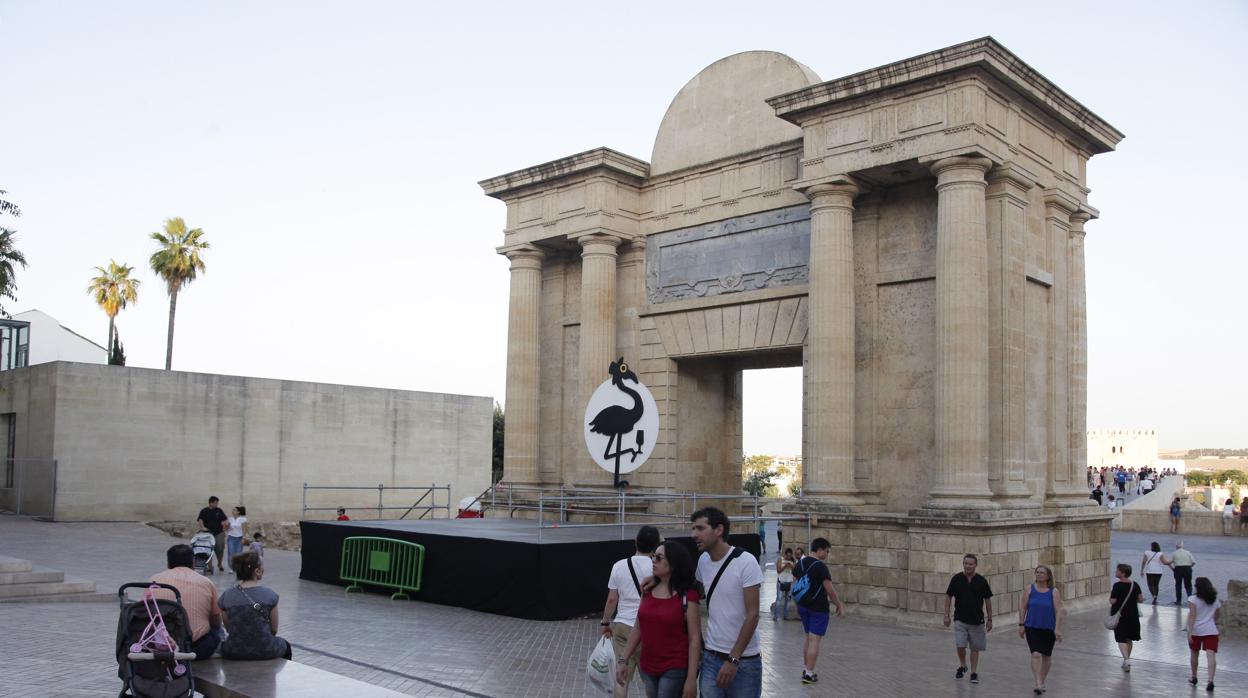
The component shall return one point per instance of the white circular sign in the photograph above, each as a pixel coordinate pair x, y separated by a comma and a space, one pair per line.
621, 421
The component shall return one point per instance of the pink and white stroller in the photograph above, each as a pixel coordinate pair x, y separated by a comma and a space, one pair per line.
153, 645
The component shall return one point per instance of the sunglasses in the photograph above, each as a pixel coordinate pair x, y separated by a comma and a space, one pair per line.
657, 557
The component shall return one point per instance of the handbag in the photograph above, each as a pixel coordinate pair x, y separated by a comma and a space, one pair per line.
1112, 621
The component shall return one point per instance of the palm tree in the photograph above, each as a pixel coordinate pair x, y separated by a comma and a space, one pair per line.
9, 255
113, 290
178, 263
8, 206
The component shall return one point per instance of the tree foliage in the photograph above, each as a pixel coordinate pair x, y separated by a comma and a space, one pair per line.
177, 260
113, 290
758, 483
756, 463
499, 429
10, 259
117, 353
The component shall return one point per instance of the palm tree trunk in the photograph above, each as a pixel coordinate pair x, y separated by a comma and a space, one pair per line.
173, 310
109, 351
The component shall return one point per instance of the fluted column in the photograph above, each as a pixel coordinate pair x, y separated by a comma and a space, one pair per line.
960, 478
1078, 326
828, 470
1061, 490
520, 448
599, 252
1008, 186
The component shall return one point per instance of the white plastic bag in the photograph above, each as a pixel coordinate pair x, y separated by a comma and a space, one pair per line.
601, 664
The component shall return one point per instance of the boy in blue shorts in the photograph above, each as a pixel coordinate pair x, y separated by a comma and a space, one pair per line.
814, 607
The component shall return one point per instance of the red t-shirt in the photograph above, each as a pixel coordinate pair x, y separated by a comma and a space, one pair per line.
664, 634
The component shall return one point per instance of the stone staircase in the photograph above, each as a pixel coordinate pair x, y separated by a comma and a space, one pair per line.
21, 581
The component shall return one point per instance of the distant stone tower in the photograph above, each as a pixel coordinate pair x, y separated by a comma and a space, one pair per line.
911, 236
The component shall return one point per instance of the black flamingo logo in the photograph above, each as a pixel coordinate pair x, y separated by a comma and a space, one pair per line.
616, 421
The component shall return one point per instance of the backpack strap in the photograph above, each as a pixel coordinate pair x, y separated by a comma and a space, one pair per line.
633, 572
736, 553
806, 570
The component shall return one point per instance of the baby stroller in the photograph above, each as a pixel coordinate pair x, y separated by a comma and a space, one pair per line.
204, 545
153, 643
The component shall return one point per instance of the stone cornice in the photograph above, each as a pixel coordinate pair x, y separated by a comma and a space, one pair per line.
614, 163
986, 54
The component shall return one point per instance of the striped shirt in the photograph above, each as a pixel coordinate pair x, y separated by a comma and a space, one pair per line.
199, 597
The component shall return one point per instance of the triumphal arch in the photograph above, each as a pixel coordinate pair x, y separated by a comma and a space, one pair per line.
912, 236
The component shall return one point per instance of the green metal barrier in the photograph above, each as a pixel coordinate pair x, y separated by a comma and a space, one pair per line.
382, 562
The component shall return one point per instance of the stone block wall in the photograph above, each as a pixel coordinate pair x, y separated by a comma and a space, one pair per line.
898, 565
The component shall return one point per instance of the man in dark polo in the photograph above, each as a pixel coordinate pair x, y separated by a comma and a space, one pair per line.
212, 518
971, 596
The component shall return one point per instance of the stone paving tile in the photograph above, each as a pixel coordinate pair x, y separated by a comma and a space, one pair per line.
428, 650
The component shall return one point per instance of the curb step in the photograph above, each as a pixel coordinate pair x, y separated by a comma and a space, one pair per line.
70, 585
33, 576
91, 597
12, 564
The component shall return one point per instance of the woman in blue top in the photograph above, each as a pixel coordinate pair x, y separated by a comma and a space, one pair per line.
1040, 621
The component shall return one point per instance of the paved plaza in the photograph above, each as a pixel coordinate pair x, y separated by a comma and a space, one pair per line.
65, 649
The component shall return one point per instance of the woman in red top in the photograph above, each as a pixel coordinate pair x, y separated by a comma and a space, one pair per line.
669, 628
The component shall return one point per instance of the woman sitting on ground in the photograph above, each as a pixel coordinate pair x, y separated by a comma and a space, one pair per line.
249, 612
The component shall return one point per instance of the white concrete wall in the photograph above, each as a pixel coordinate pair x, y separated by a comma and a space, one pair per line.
143, 444
1131, 448
50, 341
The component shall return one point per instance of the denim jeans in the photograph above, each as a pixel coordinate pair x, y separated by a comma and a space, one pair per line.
234, 546
747, 684
669, 684
782, 604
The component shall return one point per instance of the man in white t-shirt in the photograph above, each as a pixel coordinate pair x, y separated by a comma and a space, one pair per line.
624, 598
731, 665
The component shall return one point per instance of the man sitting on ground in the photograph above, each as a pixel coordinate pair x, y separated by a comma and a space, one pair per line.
199, 598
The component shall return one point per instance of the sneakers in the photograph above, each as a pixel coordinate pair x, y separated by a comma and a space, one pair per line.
809, 678
961, 672
974, 677
1126, 666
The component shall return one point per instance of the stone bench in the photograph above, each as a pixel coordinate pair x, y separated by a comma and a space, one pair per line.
222, 678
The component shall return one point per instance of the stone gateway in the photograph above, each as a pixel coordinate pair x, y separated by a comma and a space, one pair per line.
911, 236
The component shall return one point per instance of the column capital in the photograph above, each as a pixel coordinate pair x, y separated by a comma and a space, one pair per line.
1080, 217
837, 190
1060, 203
960, 169
1009, 179
523, 255
598, 242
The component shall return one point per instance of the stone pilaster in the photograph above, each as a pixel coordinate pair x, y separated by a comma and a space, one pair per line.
599, 253
1077, 320
959, 479
1007, 277
1060, 489
828, 468
520, 449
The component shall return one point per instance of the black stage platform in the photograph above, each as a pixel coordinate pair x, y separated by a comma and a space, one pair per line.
498, 565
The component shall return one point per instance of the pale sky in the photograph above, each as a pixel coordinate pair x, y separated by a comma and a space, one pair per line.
331, 152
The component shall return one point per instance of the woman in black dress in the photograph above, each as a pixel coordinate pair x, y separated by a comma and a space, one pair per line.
1124, 595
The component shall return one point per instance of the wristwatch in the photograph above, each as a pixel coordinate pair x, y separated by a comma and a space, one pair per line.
734, 660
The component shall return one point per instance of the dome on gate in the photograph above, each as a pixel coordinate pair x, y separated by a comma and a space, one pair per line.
722, 111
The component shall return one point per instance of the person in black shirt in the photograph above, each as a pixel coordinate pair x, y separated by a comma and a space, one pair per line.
813, 607
971, 595
212, 518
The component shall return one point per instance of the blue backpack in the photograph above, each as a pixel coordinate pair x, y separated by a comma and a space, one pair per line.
801, 589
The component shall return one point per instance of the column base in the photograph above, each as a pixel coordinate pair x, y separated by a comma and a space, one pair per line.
845, 498
968, 500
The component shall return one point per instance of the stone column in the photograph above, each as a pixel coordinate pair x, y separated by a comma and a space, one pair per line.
1007, 279
520, 451
960, 478
599, 252
1060, 489
1078, 326
828, 469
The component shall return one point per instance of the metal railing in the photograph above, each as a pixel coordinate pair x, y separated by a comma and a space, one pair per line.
29, 486
553, 507
426, 503
385, 562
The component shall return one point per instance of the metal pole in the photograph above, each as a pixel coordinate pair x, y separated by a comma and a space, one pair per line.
379, 504
621, 514
563, 510
305, 500
493, 489
509, 509
540, 516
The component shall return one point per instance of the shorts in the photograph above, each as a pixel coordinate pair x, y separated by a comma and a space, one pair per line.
813, 622
1208, 643
1040, 640
619, 637
965, 634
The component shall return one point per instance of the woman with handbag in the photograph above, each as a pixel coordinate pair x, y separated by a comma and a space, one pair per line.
249, 613
1124, 614
784, 584
1153, 567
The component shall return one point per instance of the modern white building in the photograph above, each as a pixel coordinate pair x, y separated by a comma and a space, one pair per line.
34, 337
